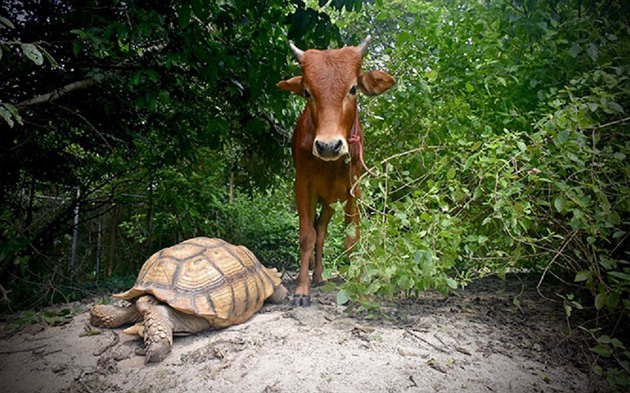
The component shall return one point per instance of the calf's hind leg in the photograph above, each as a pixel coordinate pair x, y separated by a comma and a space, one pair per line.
351, 217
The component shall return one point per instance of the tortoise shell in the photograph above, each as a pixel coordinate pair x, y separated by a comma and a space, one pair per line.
211, 278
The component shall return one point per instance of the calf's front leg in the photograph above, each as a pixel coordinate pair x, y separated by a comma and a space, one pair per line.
321, 229
306, 212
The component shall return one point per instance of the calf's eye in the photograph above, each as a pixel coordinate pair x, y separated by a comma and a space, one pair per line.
353, 90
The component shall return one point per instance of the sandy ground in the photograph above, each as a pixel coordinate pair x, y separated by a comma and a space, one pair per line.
476, 341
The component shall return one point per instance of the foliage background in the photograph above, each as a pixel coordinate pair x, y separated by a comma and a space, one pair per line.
503, 148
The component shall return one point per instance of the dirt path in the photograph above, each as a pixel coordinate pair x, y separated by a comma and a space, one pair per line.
477, 341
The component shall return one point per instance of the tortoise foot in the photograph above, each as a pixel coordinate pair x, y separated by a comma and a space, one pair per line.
301, 300
157, 345
110, 316
155, 354
158, 329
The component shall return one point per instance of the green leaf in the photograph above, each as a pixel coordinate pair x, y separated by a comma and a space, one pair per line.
521, 146
600, 300
76, 48
451, 283
567, 310
6, 22
6, 115
582, 276
602, 350
50, 59
612, 301
373, 287
604, 339
405, 282
558, 203
31, 51
616, 343
563, 136
575, 50
342, 297
10, 114
615, 107
592, 51
623, 276
470, 88
432, 75
423, 257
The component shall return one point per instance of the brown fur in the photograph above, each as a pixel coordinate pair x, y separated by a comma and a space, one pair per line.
329, 115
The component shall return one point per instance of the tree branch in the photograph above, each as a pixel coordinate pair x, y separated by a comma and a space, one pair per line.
53, 95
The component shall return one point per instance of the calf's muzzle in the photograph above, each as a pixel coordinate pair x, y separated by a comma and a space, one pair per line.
330, 149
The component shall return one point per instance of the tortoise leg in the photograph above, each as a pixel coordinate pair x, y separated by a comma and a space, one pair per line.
158, 328
279, 294
113, 316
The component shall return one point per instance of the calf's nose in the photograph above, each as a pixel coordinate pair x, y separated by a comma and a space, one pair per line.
330, 149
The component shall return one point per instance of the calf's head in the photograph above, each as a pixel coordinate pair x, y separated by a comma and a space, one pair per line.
330, 81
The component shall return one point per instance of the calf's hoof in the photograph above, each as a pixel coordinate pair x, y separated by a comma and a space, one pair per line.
301, 300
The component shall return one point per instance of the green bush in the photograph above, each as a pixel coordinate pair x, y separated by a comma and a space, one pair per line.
264, 222
504, 148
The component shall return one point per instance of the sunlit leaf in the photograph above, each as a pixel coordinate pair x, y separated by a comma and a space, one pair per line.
342, 297
31, 51
582, 276
6, 22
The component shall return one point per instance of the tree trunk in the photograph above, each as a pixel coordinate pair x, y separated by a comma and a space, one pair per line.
231, 189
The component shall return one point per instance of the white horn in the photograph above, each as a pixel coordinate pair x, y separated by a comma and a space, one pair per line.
297, 52
363, 47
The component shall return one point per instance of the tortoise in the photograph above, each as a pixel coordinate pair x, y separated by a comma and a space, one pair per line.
198, 284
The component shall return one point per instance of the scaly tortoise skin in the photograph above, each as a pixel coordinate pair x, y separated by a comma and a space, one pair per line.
196, 285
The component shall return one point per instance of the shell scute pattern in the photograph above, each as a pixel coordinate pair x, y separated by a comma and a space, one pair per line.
206, 277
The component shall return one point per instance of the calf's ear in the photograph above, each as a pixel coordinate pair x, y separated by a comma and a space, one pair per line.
294, 85
374, 83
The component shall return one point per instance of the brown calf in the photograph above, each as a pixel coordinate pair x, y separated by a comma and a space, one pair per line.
327, 145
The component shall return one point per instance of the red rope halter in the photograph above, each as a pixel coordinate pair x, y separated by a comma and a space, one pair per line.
356, 138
